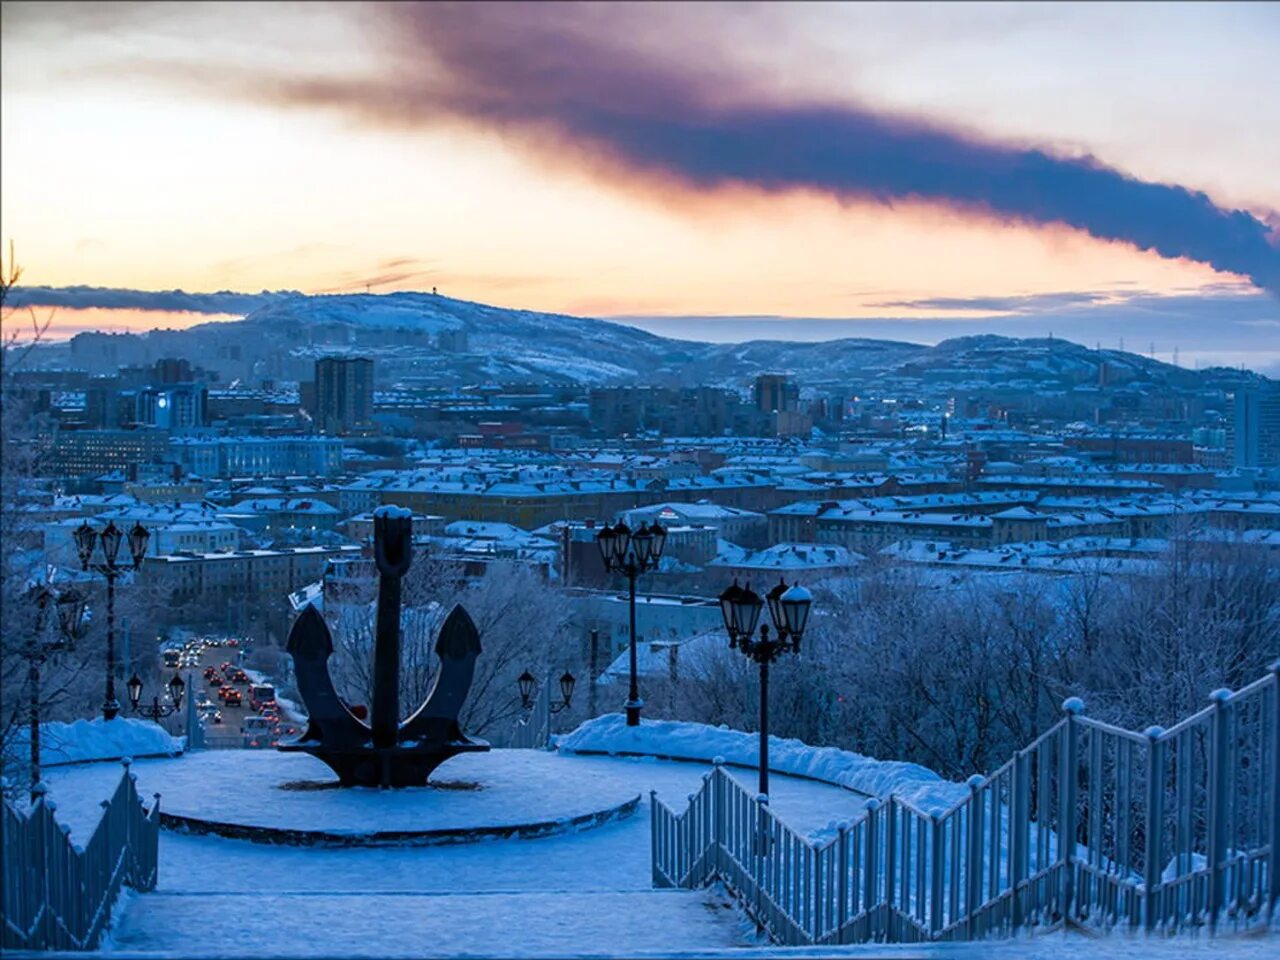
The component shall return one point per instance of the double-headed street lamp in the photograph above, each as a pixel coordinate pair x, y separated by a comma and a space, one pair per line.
632, 554
789, 610
527, 683
156, 710
70, 607
88, 540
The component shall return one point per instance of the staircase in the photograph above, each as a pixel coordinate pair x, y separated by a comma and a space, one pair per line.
498, 924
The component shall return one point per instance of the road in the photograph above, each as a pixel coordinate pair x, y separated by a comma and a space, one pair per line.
225, 734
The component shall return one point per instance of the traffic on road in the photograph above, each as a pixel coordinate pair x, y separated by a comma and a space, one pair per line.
235, 706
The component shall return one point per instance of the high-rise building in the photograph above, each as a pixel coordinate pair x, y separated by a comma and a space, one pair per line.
343, 400
179, 406
1253, 427
774, 392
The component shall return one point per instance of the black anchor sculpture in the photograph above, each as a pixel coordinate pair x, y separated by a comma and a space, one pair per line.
385, 752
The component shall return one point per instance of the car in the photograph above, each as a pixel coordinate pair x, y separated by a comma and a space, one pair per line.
211, 716
233, 642
259, 732
232, 697
260, 693
239, 676
215, 680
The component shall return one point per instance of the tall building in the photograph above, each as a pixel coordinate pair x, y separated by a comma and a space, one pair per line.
343, 395
774, 392
179, 406
1253, 427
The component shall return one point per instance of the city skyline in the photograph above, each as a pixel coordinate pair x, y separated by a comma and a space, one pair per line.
163, 147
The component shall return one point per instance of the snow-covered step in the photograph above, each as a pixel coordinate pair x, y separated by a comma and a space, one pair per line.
551, 923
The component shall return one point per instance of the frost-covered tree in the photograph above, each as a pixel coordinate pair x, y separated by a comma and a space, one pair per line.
523, 625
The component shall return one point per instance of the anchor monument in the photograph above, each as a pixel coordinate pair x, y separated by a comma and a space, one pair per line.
385, 752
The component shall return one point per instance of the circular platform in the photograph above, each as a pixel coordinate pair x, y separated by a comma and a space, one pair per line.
271, 797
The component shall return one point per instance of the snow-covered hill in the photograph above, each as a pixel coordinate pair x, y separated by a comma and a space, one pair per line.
438, 339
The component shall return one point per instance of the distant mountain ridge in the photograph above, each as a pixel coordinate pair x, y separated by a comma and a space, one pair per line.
402, 331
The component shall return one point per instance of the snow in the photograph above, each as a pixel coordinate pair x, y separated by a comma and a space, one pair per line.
917, 785
97, 739
581, 894
542, 924
247, 787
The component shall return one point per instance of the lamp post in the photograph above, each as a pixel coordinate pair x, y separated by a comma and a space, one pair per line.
70, 608
632, 554
527, 683
156, 709
88, 540
789, 610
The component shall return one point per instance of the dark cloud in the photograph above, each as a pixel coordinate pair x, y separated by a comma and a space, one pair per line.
172, 301
1034, 301
589, 82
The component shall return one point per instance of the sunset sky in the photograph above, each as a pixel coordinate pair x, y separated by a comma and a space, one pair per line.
923, 162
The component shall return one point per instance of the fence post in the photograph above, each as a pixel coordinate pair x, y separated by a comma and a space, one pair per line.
973, 855
717, 817
842, 882
1155, 825
657, 878
1273, 868
1219, 773
870, 879
936, 867
890, 867
1072, 707
1020, 816
762, 851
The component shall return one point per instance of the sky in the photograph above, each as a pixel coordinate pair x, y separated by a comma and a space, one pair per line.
714, 170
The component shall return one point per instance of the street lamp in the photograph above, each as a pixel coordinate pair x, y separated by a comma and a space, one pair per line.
156, 710
108, 539
632, 554
70, 608
526, 682
789, 610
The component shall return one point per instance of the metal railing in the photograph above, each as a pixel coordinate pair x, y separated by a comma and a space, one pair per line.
1171, 830
58, 895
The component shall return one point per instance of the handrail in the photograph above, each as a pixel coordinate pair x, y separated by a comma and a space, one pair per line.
68, 907
1090, 824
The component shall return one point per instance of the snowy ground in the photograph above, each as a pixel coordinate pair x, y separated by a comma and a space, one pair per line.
584, 894
496, 789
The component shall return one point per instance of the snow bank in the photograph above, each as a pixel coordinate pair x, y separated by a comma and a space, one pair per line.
697, 741
98, 739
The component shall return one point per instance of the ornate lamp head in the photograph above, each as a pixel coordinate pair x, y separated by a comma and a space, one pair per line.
86, 539
746, 611
621, 542
176, 689
138, 538
727, 599
659, 539
567, 683
604, 541
71, 618
774, 600
135, 690
111, 537
642, 545
526, 682
795, 605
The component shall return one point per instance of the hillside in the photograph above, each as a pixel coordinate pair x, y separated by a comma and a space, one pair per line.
403, 333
